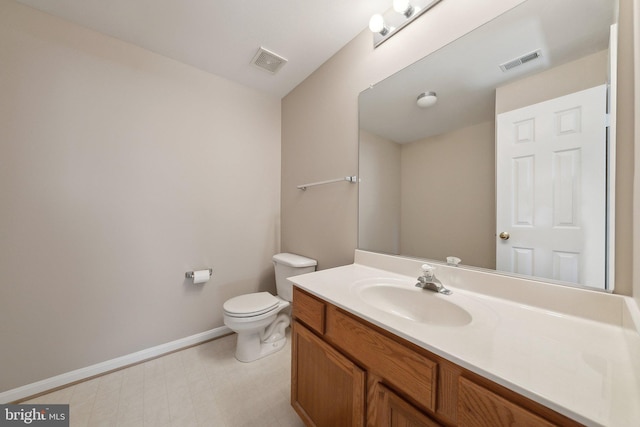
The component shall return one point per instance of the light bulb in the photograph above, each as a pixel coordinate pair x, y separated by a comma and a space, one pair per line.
403, 7
400, 6
376, 24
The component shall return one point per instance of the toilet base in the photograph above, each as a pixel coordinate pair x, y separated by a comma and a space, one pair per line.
248, 354
255, 345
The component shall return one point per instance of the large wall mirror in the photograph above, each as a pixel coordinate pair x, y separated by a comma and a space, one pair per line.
509, 166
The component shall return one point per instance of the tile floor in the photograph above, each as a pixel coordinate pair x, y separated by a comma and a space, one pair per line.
200, 386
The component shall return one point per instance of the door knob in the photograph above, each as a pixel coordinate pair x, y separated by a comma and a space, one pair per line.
504, 235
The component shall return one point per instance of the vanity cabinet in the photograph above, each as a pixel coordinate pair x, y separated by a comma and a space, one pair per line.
349, 372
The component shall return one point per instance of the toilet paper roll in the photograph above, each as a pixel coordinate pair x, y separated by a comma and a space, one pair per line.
201, 276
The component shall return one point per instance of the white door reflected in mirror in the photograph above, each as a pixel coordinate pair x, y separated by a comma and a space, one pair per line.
551, 186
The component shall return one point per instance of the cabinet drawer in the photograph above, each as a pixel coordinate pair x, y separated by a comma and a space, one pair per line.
406, 370
478, 406
309, 310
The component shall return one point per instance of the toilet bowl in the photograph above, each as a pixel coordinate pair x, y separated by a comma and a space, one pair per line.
261, 319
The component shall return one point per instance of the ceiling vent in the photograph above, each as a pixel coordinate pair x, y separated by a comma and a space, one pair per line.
268, 61
521, 60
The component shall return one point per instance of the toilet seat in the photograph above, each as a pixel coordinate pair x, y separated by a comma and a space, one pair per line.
251, 305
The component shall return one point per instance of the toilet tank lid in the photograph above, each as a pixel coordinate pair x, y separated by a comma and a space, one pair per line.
293, 260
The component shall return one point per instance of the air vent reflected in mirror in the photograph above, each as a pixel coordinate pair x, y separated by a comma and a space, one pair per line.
521, 60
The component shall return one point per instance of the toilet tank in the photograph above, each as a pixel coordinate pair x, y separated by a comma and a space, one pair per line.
287, 265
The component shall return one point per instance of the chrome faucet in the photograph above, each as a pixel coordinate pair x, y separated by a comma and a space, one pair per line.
428, 281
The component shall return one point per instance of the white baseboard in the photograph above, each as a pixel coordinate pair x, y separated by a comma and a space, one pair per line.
109, 365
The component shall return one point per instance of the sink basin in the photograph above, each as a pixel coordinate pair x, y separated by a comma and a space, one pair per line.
402, 299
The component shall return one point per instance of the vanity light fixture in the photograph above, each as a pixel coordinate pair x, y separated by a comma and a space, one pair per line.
426, 99
399, 16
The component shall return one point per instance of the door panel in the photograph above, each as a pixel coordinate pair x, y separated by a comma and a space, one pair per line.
551, 188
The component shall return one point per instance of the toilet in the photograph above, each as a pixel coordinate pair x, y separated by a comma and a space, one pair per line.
260, 319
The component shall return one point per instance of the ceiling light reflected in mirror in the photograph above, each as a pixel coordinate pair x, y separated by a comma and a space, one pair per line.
427, 99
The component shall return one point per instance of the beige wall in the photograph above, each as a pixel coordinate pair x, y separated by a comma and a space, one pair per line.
320, 131
119, 171
625, 146
448, 198
636, 182
379, 194
320, 127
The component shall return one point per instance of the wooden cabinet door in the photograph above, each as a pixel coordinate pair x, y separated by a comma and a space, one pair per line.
327, 389
394, 411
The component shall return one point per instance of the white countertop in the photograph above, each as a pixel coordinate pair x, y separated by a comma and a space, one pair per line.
585, 367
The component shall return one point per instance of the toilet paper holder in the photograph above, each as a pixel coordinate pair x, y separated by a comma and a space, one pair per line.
190, 274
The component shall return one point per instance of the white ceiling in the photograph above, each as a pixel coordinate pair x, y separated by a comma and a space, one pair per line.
222, 36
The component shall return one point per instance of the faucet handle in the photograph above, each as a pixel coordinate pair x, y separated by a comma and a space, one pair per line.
428, 271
